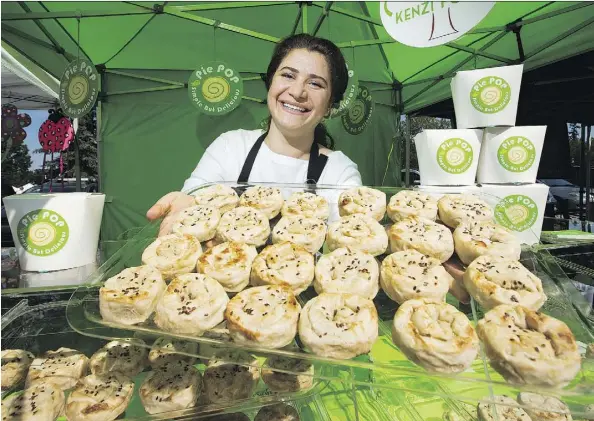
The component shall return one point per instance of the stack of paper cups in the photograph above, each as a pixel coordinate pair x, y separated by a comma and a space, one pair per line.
448, 157
487, 97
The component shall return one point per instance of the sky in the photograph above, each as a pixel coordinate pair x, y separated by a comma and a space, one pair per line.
32, 142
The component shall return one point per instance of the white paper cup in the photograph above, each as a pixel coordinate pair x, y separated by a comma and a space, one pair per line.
510, 155
487, 97
55, 231
520, 208
448, 157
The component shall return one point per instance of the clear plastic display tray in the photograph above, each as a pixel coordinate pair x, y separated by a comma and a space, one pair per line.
42, 327
385, 366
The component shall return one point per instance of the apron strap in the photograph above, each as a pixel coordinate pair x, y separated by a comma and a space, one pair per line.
315, 166
249, 161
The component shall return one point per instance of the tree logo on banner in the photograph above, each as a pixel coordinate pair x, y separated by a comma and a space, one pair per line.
215, 88
429, 23
454, 155
490, 94
79, 88
516, 154
350, 94
358, 116
516, 212
42, 232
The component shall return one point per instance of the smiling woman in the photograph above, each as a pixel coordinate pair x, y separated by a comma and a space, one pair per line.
306, 78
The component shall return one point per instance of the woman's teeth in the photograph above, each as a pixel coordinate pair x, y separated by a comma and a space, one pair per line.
294, 108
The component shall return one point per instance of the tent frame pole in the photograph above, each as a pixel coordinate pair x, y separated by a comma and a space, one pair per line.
322, 17
102, 95
473, 51
521, 54
559, 38
37, 41
297, 20
304, 16
152, 79
228, 5
68, 15
354, 15
588, 171
407, 152
376, 36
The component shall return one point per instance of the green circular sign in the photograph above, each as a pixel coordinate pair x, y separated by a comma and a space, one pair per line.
516, 154
79, 88
350, 94
215, 88
454, 155
516, 212
42, 232
358, 116
490, 94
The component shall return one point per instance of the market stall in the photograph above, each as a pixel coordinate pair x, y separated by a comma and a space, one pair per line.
299, 301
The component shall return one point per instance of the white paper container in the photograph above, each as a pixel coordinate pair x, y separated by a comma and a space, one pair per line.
487, 97
510, 155
519, 208
448, 157
55, 231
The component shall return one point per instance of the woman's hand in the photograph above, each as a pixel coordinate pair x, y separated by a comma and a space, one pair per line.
167, 207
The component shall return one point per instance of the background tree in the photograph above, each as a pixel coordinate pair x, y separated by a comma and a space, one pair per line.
15, 170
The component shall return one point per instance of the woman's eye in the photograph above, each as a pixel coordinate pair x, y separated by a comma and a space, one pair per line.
316, 84
287, 75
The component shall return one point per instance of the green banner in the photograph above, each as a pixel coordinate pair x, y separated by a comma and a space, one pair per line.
79, 88
215, 88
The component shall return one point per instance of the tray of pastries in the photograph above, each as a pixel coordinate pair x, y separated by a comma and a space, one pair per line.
49, 372
385, 279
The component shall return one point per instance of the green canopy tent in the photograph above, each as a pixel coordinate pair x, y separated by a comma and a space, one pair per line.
151, 137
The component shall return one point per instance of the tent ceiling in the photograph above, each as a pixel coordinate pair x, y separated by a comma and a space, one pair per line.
24, 89
181, 35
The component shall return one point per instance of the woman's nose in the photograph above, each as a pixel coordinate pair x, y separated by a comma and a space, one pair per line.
297, 90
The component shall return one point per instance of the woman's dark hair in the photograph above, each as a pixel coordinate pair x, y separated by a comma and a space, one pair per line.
338, 72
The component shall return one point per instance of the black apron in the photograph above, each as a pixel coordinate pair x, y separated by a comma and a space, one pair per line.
316, 165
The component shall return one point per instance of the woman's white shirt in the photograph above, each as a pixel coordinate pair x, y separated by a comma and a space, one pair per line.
224, 159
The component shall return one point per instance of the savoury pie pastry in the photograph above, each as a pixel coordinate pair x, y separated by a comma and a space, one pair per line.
131, 296
435, 335
40, 402
174, 386
230, 376
62, 367
454, 209
474, 239
199, 221
423, 235
347, 271
544, 408
285, 264
268, 200
222, 197
357, 232
408, 203
263, 316
362, 200
126, 356
99, 398
494, 280
229, 264
338, 325
407, 275
306, 204
15, 364
525, 346
306, 232
192, 304
173, 254
166, 350
244, 225
277, 412
281, 381
506, 409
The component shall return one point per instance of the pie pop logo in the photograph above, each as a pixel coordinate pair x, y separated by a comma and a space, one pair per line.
215, 88
42, 232
454, 155
490, 94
